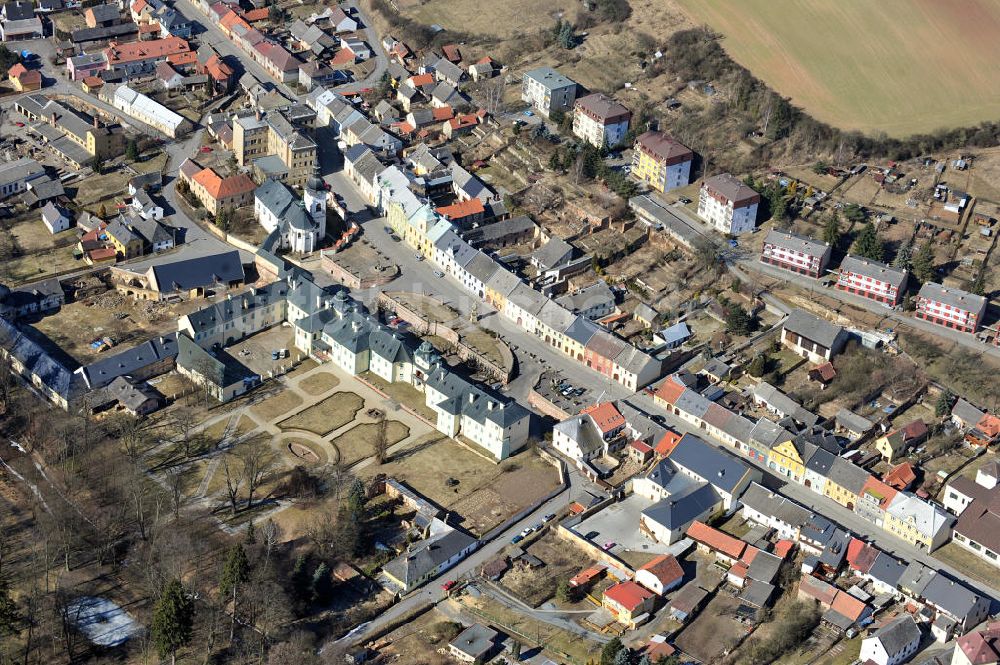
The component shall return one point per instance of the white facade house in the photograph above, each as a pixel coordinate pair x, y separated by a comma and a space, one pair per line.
299, 223
600, 120
893, 643
357, 343
547, 91
152, 113
55, 218
949, 307
728, 204
872, 279
795, 253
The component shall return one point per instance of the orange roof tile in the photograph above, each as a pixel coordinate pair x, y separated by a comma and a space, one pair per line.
343, 57
154, 48
232, 19
667, 444
901, 476
17, 70
587, 575
876, 488
628, 594
442, 113
716, 540
604, 414
421, 79
255, 15
669, 390
181, 59
149, 28
641, 446
665, 568
989, 425
848, 605
783, 547
93, 81
220, 188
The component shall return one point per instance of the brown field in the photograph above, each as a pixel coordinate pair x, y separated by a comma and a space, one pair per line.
503, 19
324, 417
317, 384
356, 443
899, 68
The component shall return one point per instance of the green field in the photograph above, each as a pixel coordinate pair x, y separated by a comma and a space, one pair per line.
896, 67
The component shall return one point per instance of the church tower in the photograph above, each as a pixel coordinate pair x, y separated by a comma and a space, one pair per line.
314, 197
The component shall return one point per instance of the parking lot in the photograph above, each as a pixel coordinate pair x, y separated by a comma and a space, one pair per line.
619, 524
255, 351
568, 396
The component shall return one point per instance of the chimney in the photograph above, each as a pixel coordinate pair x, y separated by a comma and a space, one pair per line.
355, 326
97, 123
489, 405
472, 398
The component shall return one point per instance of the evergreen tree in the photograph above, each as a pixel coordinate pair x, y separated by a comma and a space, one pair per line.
300, 579
831, 230
923, 263
565, 37
904, 257
738, 320
869, 245
235, 573
320, 585
250, 537
943, 405
563, 591
757, 366
173, 619
611, 650
132, 151
622, 657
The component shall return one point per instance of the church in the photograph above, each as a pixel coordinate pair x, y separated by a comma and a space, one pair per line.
300, 223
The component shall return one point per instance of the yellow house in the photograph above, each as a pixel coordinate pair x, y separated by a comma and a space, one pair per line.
126, 241
437, 229
787, 460
844, 482
918, 522
899, 440
661, 161
499, 286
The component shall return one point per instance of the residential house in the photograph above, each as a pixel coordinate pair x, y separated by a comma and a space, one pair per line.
661, 161
796, 253
145, 110
918, 522
980, 647
893, 643
476, 644
629, 603
56, 218
950, 307
728, 205
548, 91
726, 548
28, 299
774, 511
660, 575
812, 337
600, 120
954, 600
898, 441
81, 66
873, 280
217, 193
978, 508
15, 175
844, 482
23, 79
139, 58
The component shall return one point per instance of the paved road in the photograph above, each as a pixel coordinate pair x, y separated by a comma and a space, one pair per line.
821, 504
746, 266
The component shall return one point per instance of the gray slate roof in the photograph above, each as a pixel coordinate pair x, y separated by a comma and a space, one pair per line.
896, 635
813, 328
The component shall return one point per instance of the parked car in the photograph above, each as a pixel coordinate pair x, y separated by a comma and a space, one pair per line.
419, 257
549, 517
516, 539
205, 148
608, 545
449, 585
395, 238
438, 274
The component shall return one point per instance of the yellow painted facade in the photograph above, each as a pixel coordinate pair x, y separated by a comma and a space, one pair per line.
786, 460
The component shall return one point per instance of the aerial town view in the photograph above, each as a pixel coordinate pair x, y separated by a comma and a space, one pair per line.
560, 332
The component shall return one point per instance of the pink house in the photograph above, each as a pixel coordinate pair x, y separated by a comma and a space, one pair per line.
88, 64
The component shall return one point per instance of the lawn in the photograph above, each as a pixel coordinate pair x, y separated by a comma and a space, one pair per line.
404, 394
896, 67
968, 563
39, 265
503, 19
324, 417
277, 405
356, 443
305, 453
317, 384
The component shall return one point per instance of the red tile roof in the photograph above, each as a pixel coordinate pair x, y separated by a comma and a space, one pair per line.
463, 121
669, 390
152, 49
716, 540
665, 568
848, 605
221, 188
93, 81
255, 15
816, 588
982, 647
783, 547
666, 445
343, 57
421, 79
442, 113
462, 209
901, 476
585, 576
452, 52
605, 414
879, 490
17, 70
628, 594
643, 448
989, 425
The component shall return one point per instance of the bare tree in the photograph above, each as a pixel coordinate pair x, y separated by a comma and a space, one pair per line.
132, 434
271, 534
380, 444
175, 483
233, 483
183, 428
258, 460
